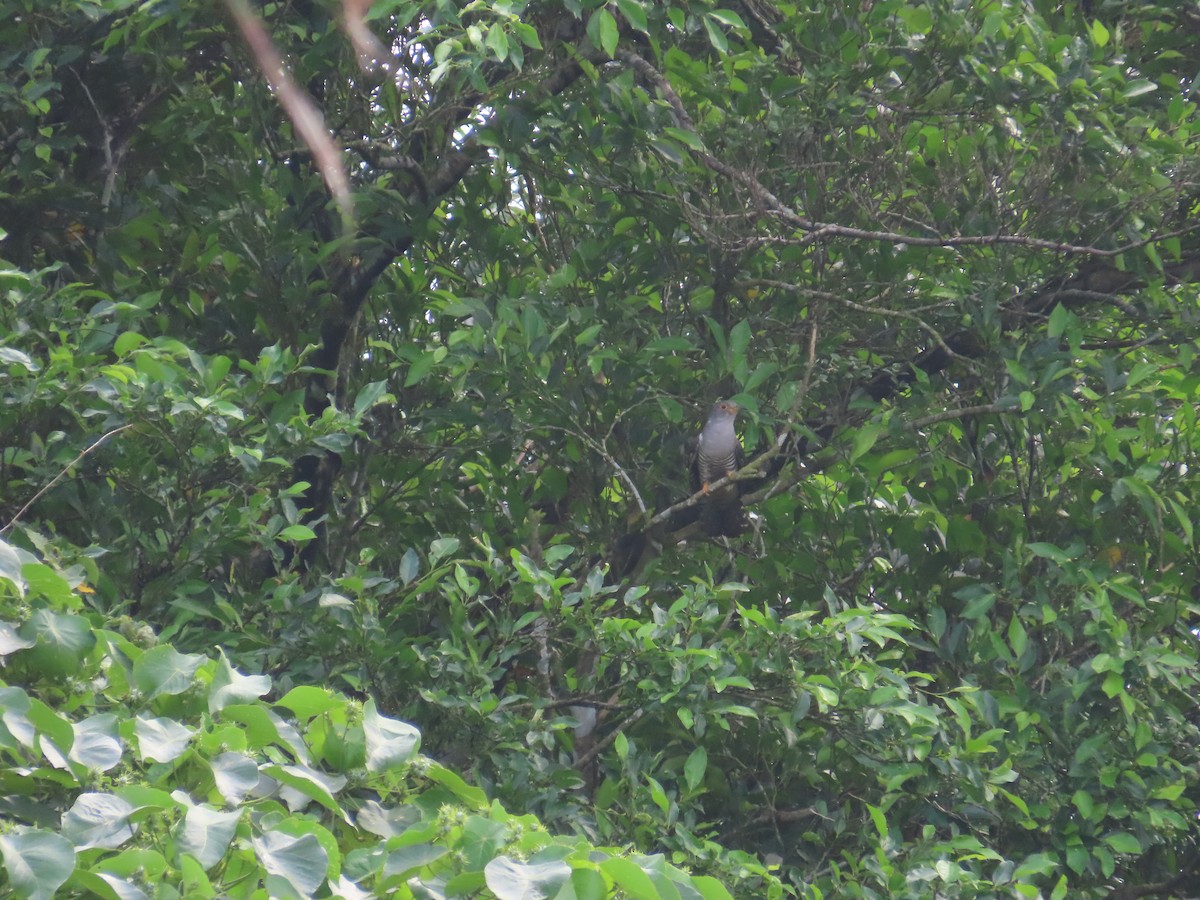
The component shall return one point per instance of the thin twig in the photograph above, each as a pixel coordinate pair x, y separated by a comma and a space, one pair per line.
598, 448
61, 475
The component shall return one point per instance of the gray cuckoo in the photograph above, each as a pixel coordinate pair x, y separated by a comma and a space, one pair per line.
718, 453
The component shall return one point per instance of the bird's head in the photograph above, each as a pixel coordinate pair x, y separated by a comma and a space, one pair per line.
724, 408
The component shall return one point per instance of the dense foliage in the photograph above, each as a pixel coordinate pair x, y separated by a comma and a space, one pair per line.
181, 782
418, 452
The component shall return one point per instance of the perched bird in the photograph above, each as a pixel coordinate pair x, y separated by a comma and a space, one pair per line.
719, 453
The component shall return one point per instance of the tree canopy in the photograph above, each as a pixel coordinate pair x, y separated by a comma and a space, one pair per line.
352, 356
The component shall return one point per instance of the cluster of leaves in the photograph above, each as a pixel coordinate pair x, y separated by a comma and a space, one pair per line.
204, 445
1026, 734
133, 770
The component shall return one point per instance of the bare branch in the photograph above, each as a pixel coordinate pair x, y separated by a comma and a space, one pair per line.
306, 117
598, 448
61, 475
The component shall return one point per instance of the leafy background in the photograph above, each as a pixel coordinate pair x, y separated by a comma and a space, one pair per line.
277, 478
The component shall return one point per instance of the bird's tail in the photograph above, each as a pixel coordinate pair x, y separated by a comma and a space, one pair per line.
723, 516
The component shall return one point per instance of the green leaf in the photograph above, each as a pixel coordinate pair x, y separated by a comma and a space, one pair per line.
10, 356
467, 793
1083, 803
695, 767
1113, 684
264, 728
311, 784
670, 344
370, 396
879, 820
497, 41
728, 17
1049, 551
128, 342
98, 820
300, 861
588, 884
1099, 33
1152, 254
918, 18
390, 743
740, 709
410, 566
160, 739
16, 729
51, 726
441, 548
587, 337
716, 37
1057, 323
630, 877
1017, 637
1050, 76
692, 141
1137, 88
658, 795
43, 581
307, 702
864, 439
10, 567
621, 745
37, 862
603, 32
206, 833
527, 33
509, 879
230, 686
1140, 372
1181, 516
97, 745
634, 14
1123, 842
710, 888
236, 775
298, 533
163, 670
419, 369
739, 341
408, 859
62, 641
1170, 792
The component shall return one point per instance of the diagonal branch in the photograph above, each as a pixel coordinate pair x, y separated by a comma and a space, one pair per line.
63, 474
304, 113
817, 230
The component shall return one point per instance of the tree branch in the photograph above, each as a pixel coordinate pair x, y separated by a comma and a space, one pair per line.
61, 475
817, 230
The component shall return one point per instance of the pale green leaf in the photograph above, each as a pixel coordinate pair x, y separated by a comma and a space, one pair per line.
37, 862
